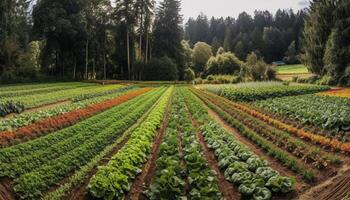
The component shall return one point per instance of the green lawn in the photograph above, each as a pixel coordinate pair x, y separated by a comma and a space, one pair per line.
292, 69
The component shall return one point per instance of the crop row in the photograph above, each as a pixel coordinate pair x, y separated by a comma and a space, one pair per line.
216, 88
288, 160
39, 164
82, 174
41, 155
242, 167
315, 156
248, 94
14, 93
9, 107
331, 143
181, 163
332, 113
64, 120
14, 122
44, 146
35, 100
338, 93
103, 93
30, 87
114, 180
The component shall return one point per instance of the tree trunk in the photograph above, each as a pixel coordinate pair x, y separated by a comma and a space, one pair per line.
93, 68
104, 67
86, 59
128, 52
75, 68
147, 44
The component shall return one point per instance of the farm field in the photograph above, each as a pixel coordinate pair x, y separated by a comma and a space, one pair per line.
260, 141
292, 69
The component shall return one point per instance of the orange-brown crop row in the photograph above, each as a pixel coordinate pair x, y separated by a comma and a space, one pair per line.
51, 124
334, 144
342, 92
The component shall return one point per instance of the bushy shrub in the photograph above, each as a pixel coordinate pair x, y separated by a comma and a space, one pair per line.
163, 69
223, 63
257, 70
222, 79
189, 75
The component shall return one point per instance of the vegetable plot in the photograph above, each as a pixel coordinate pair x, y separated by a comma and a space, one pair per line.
14, 122
39, 164
61, 121
243, 168
332, 113
35, 100
181, 163
248, 94
114, 180
311, 155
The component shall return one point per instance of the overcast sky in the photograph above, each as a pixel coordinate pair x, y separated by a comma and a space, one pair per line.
224, 8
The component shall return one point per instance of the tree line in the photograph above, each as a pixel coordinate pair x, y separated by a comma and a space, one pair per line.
139, 40
269, 36
88, 39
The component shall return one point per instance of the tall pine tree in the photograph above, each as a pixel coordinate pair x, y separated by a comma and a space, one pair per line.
168, 33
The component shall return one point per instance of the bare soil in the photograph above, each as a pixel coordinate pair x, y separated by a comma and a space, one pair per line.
6, 190
335, 188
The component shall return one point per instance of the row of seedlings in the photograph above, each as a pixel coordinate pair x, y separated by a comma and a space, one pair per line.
48, 125
16, 121
182, 170
314, 156
250, 173
114, 180
37, 165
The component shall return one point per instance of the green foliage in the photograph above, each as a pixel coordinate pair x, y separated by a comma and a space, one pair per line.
238, 162
17, 121
113, 180
10, 107
223, 63
292, 69
189, 75
291, 56
201, 54
259, 93
330, 113
327, 39
222, 79
38, 164
169, 180
256, 69
163, 69
168, 34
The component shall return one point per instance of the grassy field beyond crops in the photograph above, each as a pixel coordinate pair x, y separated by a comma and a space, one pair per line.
292, 69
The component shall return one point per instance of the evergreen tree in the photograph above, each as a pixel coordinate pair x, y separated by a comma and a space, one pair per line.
318, 26
168, 33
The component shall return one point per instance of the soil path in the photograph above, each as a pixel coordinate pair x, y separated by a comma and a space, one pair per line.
335, 188
6, 191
